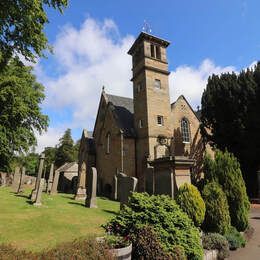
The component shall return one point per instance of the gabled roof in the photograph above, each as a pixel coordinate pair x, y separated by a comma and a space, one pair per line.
123, 110
197, 114
68, 167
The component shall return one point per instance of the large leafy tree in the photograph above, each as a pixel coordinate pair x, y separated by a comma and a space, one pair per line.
20, 113
21, 27
230, 109
65, 151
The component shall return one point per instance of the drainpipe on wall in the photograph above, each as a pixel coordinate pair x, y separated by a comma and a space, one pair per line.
122, 150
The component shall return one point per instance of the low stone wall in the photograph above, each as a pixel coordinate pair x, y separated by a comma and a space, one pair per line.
210, 255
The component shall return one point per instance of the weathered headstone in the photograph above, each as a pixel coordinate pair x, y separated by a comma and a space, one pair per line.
38, 200
39, 176
92, 188
50, 179
81, 185
16, 179
3, 177
54, 186
21, 183
126, 185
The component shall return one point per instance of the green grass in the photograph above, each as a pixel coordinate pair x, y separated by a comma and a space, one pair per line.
59, 219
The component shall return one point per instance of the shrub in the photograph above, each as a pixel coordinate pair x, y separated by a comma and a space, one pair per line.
170, 223
146, 245
178, 253
235, 239
78, 249
114, 242
217, 217
226, 171
191, 202
213, 241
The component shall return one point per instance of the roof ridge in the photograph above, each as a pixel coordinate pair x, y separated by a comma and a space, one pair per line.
118, 96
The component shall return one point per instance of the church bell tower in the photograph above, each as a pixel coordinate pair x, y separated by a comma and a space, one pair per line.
152, 110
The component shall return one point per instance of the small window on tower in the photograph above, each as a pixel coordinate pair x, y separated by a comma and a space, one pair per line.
152, 51
157, 83
160, 120
158, 52
140, 123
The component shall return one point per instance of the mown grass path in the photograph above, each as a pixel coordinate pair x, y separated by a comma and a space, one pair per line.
59, 219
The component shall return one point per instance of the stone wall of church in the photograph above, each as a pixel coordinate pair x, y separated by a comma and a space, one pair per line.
109, 160
195, 149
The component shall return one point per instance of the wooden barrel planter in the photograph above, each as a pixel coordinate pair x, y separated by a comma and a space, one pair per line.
124, 253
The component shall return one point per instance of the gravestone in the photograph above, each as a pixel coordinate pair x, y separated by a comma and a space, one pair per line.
81, 183
126, 185
21, 183
16, 179
92, 188
50, 179
3, 177
38, 200
39, 176
54, 186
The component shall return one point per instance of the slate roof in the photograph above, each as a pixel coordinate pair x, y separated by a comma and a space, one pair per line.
68, 167
123, 109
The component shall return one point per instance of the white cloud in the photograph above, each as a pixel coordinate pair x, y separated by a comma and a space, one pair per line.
190, 81
87, 58
93, 56
50, 138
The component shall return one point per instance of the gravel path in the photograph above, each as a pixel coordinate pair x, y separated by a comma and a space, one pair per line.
252, 249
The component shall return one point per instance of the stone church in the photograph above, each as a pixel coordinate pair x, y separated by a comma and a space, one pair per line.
146, 136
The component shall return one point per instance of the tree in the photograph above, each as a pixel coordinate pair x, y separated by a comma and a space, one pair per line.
217, 218
21, 27
20, 112
225, 170
65, 151
230, 109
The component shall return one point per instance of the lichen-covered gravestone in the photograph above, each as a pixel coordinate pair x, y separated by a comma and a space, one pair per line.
91, 200
54, 185
21, 183
38, 200
50, 179
16, 179
39, 176
126, 185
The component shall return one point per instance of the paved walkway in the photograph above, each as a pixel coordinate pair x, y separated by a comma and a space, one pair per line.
252, 249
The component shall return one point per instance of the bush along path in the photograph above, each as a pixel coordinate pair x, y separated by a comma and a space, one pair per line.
252, 249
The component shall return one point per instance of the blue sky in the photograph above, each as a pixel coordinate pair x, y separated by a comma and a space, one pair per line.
91, 39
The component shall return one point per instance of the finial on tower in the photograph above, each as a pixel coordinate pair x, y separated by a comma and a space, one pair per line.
146, 27
103, 88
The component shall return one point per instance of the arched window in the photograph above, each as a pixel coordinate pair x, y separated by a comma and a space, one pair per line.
185, 130
108, 143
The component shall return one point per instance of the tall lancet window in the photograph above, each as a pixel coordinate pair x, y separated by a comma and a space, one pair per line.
185, 130
108, 143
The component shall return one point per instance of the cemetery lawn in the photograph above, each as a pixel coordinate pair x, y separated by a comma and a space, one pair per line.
59, 219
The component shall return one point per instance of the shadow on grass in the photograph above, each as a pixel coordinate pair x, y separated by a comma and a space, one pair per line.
110, 211
22, 196
77, 203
